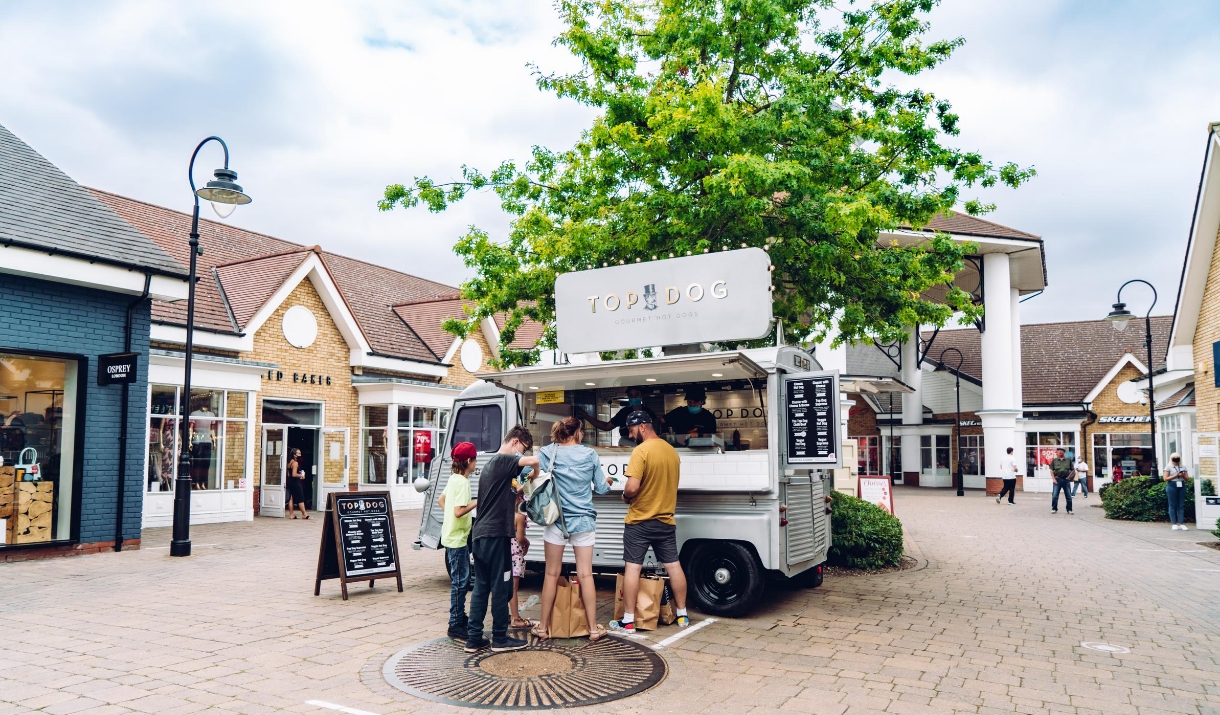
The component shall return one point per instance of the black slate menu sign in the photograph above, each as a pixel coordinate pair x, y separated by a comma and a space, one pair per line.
811, 418
358, 540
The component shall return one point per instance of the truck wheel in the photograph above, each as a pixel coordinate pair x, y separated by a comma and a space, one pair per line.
725, 578
809, 578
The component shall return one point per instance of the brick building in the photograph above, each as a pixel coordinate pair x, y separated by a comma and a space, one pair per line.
297, 348
74, 286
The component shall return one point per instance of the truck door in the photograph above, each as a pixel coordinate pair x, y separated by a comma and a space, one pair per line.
481, 422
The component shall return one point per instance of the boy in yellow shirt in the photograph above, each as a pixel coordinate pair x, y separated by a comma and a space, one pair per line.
455, 533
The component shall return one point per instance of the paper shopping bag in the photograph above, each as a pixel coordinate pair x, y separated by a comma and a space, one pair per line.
568, 619
647, 603
669, 612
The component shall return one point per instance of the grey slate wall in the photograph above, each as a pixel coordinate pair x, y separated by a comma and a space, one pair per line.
56, 317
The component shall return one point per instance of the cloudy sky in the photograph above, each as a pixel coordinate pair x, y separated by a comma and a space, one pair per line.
324, 105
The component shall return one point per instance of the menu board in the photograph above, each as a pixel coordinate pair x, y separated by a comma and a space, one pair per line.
811, 416
358, 540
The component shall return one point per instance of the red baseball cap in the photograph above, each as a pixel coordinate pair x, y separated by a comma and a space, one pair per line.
464, 451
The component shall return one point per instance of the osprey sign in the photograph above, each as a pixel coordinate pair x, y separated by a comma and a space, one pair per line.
692, 299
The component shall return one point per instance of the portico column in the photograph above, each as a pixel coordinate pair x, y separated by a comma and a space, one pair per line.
1018, 394
912, 407
999, 413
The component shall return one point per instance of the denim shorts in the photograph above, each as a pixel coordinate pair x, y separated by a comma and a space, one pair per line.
662, 537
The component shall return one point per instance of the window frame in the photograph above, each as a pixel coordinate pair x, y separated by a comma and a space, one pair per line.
220, 452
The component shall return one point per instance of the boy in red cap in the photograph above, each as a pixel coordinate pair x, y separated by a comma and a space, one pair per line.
455, 533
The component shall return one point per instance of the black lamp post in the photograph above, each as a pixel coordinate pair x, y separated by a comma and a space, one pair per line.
222, 191
1119, 317
957, 424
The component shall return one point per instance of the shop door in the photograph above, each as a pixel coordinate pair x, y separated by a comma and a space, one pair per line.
271, 499
306, 440
334, 462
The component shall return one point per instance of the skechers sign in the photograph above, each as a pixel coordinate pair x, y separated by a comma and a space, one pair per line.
677, 301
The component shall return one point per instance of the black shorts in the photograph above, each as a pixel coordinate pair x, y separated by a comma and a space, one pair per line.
296, 490
662, 537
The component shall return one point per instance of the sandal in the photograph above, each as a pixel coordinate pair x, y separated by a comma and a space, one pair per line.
540, 633
520, 622
596, 633
307, 517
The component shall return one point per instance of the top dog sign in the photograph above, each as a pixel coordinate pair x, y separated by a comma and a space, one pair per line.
692, 299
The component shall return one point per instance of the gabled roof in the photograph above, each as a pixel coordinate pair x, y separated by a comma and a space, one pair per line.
1184, 397
1200, 246
1104, 382
42, 208
369, 291
961, 224
528, 333
426, 316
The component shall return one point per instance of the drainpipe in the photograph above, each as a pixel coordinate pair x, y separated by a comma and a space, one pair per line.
123, 408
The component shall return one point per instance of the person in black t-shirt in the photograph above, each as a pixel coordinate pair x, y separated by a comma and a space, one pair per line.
635, 401
489, 538
692, 420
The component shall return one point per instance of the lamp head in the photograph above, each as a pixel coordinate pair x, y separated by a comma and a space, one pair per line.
223, 193
1119, 316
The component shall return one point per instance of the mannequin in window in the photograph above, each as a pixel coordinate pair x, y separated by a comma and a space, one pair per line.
203, 437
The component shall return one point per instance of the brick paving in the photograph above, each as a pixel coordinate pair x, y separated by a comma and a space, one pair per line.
990, 622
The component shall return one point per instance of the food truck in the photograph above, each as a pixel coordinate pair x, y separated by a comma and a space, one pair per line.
753, 496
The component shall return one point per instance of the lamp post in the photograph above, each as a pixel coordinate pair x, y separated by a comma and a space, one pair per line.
957, 423
1119, 317
222, 191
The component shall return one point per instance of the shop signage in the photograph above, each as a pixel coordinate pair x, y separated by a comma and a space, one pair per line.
358, 540
550, 397
677, 301
118, 369
304, 378
811, 419
879, 491
970, 423
1123, 419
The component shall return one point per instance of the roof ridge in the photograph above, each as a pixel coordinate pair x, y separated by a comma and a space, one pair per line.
261, 258
991, 223
393, 270
423, 301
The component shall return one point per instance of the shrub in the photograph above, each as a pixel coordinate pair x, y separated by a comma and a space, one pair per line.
864, 536
1142, 499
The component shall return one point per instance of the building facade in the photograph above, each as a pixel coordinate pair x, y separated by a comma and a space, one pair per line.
75, 285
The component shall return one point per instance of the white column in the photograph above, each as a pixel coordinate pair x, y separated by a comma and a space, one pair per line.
999, 413
1018, 395
912, 403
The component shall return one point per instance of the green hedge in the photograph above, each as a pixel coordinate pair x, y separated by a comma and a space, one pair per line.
864, 535
1142, 499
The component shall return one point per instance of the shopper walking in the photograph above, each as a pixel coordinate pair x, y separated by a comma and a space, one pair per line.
1061, 468
651, 493
578, 475
455, 534
1081, 477
1175, 491
1008, 470
296, 484
490, 537
1117, 473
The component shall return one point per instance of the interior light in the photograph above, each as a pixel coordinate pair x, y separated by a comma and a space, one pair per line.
717, 374
591, 384
650, 379
533, 387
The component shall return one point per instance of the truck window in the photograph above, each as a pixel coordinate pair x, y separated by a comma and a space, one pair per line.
480, 425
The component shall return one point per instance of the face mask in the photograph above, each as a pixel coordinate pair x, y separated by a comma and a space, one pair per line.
635, 401
694, 409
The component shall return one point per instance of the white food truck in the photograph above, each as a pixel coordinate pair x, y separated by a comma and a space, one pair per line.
753, 497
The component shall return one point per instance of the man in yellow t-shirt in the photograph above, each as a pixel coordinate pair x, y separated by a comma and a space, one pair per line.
652, 496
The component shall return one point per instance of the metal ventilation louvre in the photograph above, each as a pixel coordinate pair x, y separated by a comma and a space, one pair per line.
799, 534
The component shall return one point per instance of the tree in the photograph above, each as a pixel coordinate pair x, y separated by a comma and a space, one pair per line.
730, 123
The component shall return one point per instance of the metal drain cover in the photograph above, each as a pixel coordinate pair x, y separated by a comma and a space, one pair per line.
557, 673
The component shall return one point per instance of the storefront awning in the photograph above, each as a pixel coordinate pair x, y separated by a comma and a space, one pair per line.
872, 384
705, 367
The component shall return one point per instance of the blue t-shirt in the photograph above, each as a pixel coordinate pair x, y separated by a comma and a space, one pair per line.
577, 472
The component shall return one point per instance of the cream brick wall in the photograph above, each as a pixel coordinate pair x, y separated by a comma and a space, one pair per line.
458, 375
1108, 404
1207, 397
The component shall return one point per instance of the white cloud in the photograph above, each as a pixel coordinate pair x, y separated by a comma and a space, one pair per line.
323, 104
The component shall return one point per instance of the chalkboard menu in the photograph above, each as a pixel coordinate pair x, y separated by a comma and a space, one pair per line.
358, 540
811, 417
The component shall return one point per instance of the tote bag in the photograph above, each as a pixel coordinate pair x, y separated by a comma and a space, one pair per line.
541, 496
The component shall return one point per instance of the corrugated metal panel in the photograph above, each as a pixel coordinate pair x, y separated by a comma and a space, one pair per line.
821, 522
800, 535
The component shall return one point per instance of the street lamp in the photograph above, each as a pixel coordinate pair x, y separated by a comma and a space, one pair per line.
225, 196
1119, 317
957, 424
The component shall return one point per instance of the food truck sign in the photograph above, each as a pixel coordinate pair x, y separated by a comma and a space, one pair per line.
810, 403
677, 301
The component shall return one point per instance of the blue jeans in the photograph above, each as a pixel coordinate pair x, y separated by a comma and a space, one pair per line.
459, 575
493, 579
1083, 484
1061, 485
1176, 496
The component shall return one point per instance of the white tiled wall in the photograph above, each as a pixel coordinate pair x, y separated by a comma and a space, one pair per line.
731, 471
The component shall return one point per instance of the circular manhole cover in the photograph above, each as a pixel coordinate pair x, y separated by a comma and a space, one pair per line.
1105, 647
558, 673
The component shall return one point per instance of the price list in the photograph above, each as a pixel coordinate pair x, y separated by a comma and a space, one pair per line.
364, 535
809, 415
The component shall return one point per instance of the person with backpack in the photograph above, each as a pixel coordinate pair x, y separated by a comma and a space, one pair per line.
578, 475
490, 542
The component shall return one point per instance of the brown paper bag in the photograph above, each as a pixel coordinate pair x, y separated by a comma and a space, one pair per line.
669, 611
568, 619
647, 603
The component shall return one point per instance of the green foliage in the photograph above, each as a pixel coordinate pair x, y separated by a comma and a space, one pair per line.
1142, 499
730, 123
1207, 487
864, 535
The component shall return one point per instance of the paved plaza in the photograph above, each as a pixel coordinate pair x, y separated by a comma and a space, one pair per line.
991, 621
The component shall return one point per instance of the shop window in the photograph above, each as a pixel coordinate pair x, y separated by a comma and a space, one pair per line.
284, 412
480, 425
1171, 435
37, 440
1122, 454
1041, 449
373, 448
925, 452
970, 452
868, 455
894, 457
421, 437
934, 453
217, 433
